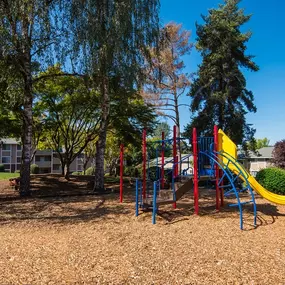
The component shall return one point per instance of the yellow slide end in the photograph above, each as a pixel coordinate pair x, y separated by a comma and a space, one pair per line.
228, 147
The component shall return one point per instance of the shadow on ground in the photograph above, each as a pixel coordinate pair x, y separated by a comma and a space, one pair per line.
55, 200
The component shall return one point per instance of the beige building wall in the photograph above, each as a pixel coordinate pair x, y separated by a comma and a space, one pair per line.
47, 160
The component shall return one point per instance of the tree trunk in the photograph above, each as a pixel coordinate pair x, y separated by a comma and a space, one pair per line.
179, 154
67, 170
27, 129
101, 143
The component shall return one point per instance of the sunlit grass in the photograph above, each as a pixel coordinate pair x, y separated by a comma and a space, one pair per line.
7, 175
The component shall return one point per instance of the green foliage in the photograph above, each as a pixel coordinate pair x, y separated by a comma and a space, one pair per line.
35, 169
162, 127
152, 172
260, 143
71, 114
273, 179
2, 168
131, 171
256, 144
219, 94
76, 173
154, 149
17, 171
90, 171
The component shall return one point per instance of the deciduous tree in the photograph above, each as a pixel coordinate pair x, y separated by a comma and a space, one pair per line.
26, 32
72, 116
279, 154
167, 80
113, 36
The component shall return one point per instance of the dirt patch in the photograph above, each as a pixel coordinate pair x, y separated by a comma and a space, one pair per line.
87, 239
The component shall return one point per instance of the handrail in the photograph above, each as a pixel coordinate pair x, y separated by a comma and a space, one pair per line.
233, 158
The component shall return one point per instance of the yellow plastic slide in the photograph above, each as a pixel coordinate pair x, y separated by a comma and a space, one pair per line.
230, 151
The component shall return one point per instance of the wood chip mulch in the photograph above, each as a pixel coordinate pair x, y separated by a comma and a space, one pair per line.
87, 239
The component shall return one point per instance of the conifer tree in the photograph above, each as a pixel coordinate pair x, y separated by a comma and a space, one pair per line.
219, 93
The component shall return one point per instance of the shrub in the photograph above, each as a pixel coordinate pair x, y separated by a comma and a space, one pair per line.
153, 172
35, 169
272, 179
76, 173
90, 171
130, 171
2, 168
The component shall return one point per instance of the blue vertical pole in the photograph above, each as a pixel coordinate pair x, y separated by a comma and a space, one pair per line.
137, 197
154, 204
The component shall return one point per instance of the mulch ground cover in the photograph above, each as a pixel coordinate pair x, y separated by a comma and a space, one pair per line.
65, 235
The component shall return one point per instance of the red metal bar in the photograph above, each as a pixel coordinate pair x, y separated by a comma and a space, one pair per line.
195, 165
217, 169
222, 189
162, 160
121, 171
144, 163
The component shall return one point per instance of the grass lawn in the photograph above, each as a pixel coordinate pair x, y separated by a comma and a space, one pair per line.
7, 175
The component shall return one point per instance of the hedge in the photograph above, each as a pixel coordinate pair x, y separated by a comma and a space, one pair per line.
2, 168
90, 171
35, 169
272, 179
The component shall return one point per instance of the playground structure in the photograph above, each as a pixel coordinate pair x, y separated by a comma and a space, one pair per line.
214, 159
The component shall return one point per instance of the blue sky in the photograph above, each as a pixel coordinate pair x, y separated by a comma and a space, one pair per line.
267, 44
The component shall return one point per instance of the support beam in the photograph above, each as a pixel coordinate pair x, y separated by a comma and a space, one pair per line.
195, 157
121, 171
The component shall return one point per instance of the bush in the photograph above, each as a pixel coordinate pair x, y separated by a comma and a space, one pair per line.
90, 171
17, 171
153, 172
2, 168
130, 171
35, 169
76, 173
272, 179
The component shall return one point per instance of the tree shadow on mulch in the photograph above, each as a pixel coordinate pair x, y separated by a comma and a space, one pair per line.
267, 213
60, 210
55, 200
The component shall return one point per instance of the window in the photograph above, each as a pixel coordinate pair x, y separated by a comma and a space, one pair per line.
43, 158
19, 147
6, 159
47, 158
18, 159
56, 166
81, 155
6, 147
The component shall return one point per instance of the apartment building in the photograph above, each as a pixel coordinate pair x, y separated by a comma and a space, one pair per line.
47, 160
255, 161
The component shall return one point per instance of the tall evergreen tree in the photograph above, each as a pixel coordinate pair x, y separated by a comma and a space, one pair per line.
113, 36
219, 93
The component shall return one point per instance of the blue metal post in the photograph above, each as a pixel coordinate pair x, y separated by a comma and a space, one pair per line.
154, 203
137, 197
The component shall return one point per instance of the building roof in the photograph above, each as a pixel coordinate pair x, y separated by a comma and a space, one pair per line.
264, 152
168, 161
10, 141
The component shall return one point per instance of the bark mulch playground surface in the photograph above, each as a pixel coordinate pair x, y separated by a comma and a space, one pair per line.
64, 235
